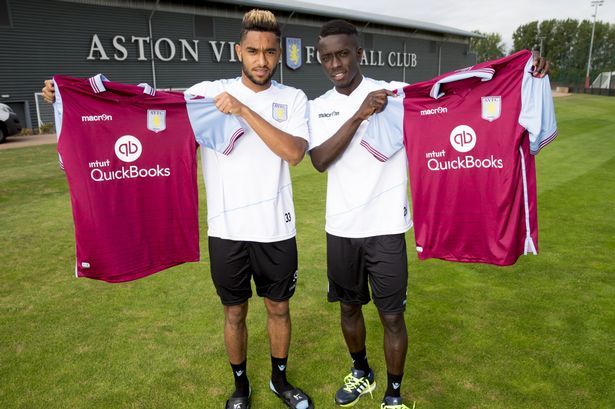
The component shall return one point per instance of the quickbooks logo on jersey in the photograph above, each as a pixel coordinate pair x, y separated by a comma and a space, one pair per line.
463, 139
127, 149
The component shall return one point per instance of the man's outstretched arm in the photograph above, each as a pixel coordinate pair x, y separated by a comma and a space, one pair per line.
325, 154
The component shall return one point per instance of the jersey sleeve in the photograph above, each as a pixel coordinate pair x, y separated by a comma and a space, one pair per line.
317, 134
385, 132
207, 89
395, 85
314, 129
298, 118
537, 110
212, 129
58, 111
58, 108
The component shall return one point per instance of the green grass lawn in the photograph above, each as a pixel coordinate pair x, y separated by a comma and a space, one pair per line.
539, 334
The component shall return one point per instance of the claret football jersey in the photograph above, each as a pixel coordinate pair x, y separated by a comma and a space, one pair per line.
470, 137
129, 154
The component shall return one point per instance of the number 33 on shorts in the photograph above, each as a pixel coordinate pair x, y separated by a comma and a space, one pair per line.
288, 217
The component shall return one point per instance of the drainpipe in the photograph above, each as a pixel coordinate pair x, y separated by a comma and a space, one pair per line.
404, 71
282, 56
151, 42
439, 58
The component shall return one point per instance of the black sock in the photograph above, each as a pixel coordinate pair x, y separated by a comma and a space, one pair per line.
242, 386
278, 374
359, 360
393, 385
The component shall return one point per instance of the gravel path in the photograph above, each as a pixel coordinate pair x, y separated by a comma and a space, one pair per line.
27, 140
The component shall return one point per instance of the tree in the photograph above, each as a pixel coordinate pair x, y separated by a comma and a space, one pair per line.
546, 32
566, 44
526, 36
487, 47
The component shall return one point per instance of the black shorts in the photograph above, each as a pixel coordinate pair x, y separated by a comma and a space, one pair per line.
273, 266
379, 260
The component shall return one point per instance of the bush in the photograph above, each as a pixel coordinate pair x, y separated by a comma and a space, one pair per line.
26, 131
46, 128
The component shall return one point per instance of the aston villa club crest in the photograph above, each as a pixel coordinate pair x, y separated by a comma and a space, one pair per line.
491, 108
293, 53
156, 120
279, 112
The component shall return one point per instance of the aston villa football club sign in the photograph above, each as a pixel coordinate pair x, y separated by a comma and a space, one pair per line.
187, 50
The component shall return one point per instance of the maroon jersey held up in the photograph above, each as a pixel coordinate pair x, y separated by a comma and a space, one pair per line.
470, 137
129, 154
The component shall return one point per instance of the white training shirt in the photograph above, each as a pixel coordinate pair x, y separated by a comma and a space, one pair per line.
249, 192
365, 197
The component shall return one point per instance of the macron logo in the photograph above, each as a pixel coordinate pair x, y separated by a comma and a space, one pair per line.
328, 114
96, 118
438, 110
395, 385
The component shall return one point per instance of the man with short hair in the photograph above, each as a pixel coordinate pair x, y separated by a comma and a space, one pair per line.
367, 212
251, 217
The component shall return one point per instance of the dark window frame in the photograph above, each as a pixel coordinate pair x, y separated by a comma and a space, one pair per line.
9, 20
